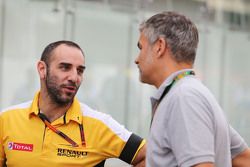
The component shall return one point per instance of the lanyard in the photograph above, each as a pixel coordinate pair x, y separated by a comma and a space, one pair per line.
166, 90
60, 133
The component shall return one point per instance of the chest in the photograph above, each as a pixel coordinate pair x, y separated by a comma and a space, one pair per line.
33, 144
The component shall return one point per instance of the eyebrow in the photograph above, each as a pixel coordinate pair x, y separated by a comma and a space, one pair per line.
64, 64
82, 67
68, 64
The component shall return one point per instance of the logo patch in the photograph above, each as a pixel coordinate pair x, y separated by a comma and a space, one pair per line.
71, 153
20, 146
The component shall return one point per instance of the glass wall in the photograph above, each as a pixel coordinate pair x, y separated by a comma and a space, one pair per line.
107, 30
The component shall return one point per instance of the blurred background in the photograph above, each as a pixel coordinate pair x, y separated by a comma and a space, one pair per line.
107, 30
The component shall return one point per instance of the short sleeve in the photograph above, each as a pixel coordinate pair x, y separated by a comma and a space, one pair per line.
115, 141
238, 144
131, 148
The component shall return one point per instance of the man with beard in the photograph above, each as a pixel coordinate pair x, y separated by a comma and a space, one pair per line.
57, 130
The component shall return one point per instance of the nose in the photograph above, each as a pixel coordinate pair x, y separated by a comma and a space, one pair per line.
73, 76
136, 60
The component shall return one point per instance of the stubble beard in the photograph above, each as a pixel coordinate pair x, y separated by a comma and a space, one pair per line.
54, 92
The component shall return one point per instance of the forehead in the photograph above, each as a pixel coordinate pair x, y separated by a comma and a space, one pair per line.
142, 39
67, 54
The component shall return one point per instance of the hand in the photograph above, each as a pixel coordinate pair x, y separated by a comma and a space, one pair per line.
140, 164
139, 160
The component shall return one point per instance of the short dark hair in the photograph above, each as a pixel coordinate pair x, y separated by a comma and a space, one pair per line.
47, 52
179, 32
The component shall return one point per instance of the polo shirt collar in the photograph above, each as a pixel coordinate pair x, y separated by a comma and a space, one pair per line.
74, 112
166, 83
33, 109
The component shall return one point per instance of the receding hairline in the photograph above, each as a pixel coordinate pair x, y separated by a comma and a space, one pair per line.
71, 46
49, 49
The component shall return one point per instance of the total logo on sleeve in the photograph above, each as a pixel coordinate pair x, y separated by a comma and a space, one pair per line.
20, 146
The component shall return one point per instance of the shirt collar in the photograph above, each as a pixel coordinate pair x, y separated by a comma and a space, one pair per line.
166, 83
73, 113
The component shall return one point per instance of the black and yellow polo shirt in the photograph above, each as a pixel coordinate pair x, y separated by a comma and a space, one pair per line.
26, 141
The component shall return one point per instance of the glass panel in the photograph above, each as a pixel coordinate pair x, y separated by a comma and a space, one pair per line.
25, 36
208, 59
236, 90
104, 38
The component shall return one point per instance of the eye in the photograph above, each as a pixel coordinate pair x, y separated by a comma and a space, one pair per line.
139, 46
80, 70
65, 67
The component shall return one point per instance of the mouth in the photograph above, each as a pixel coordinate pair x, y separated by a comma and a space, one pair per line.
69, 89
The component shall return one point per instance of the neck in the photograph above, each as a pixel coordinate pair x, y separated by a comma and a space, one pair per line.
172, 68
50, 109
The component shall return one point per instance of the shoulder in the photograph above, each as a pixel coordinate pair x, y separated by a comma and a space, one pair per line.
92, 113
190, 89
15, 108
190, 98
105, 120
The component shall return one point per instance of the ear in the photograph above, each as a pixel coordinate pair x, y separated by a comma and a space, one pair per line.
42, 69
160, 47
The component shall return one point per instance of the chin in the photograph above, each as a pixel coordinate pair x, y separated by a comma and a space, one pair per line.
67, 98
142, 80
145, 81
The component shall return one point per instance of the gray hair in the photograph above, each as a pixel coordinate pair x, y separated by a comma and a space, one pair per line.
180, 33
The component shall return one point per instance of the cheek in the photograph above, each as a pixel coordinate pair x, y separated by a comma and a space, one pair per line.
79, 81
144, 59
148, 59
141, 56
